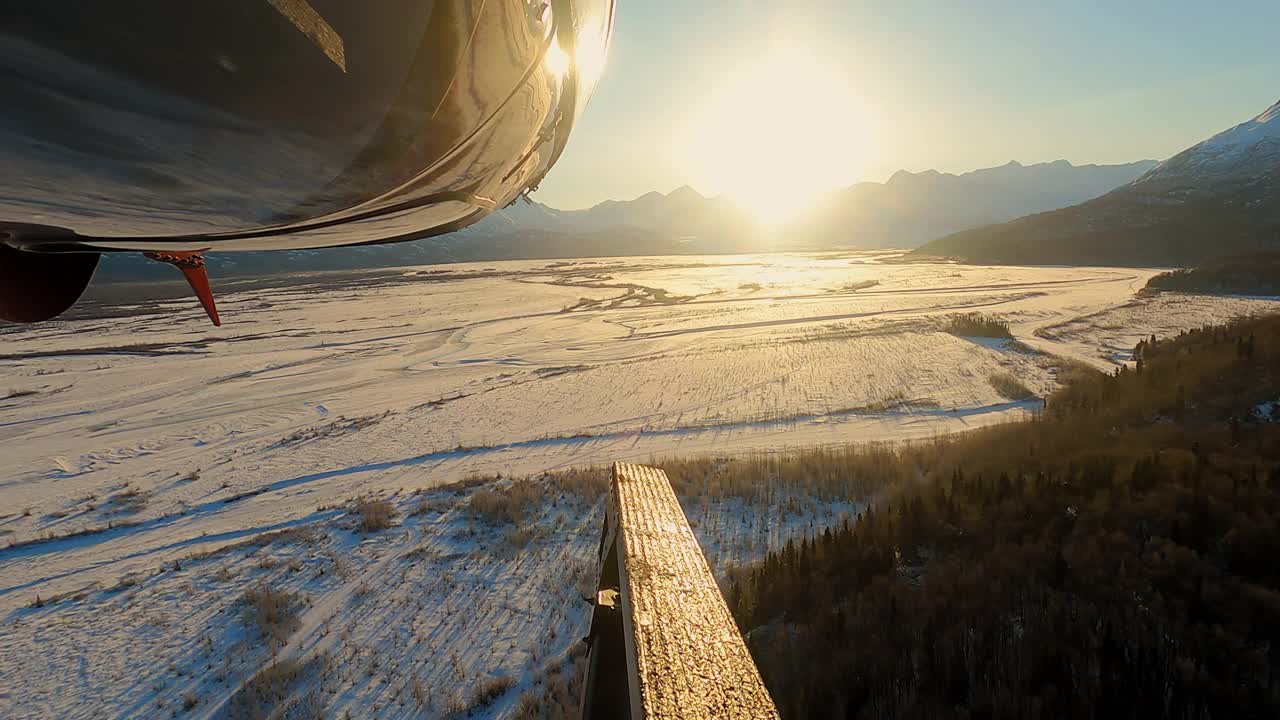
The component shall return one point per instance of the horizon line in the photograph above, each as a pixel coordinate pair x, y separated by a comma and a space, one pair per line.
886, 181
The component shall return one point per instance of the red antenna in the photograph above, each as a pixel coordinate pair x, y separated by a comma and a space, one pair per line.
191, 263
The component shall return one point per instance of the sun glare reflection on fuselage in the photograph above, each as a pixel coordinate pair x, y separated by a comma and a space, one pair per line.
588, 56
557, 60
778, 135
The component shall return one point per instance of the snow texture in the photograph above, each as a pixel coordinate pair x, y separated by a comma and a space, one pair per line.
156, 469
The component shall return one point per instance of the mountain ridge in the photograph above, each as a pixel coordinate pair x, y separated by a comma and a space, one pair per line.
906, 210
1218, 197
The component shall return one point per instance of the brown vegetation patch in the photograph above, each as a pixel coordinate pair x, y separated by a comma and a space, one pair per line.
128, 501
506, 503
262, 695
976, 325
273, 612
1009, 387
485, 693
374, 515
587, 484
557, 690
340, 425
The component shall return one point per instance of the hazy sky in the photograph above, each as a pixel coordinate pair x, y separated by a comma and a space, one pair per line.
907, 84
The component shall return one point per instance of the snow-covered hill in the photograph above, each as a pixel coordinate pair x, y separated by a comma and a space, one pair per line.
1217, 198
1250, 149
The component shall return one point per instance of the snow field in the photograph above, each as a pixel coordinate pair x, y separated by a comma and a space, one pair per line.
156, 470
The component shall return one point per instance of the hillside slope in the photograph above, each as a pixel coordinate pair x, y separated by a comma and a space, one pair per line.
1221, 196
913, 208
1113, 559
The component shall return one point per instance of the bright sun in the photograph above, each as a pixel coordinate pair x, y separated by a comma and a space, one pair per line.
783, 131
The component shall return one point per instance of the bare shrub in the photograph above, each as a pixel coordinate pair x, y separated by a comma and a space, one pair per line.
1010, 387
273, 612
509, 504
339, 426
428, 505
260, 694
488, 690
128, 501
529, 706
517, 536
471, 480
589, 484
557, 693
977, 325
1070, 370
456, 705
419, 691
374, 515
490, 505
826, 473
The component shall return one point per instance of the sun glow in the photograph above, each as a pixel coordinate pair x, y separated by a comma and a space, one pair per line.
590, 48
778, 134
557, 59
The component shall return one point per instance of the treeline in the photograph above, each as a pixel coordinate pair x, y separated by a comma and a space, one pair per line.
1118, 556
1253, 274
976, 325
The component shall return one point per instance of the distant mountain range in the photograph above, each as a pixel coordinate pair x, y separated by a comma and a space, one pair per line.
909, 209
912, 209
1219, 197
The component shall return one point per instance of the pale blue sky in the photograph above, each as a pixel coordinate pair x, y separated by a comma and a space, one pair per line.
946, 85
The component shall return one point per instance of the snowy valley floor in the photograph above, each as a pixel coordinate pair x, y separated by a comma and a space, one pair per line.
156, 468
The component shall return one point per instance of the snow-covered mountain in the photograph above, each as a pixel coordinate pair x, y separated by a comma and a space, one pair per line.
913, 208
909, 209
1216, 198
1250, 149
